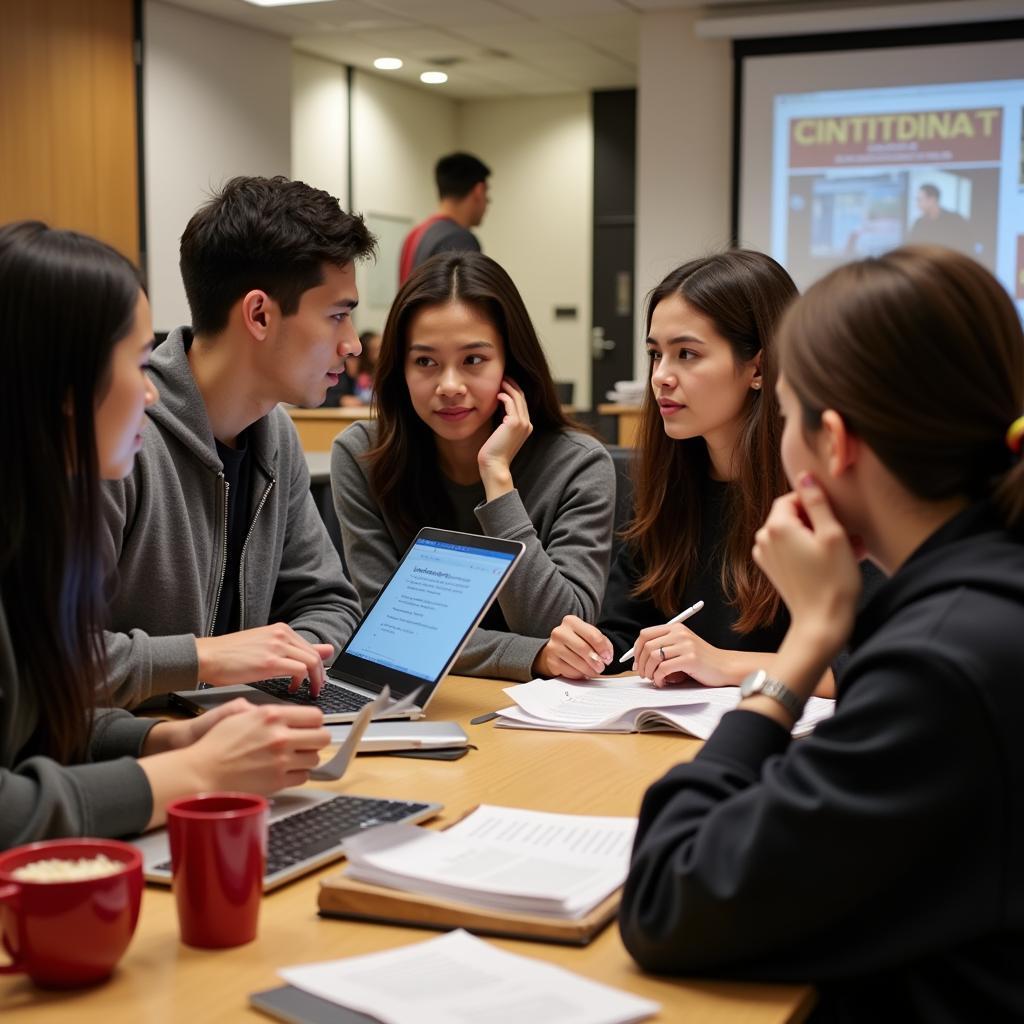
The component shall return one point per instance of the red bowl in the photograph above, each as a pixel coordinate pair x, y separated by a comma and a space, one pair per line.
69, 933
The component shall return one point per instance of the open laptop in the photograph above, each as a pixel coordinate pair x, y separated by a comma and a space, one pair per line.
409, 637
307, 826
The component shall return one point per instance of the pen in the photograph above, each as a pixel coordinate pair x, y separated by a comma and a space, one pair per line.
681, 617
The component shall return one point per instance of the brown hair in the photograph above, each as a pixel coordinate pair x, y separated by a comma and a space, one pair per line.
743, 293
922, 354
403, 463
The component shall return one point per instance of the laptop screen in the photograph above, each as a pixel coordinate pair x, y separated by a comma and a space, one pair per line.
428, 607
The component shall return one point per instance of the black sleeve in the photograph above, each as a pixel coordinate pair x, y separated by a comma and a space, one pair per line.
623, 615
802, 861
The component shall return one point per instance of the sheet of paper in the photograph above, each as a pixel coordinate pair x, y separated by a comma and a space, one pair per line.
584, 837
458, 979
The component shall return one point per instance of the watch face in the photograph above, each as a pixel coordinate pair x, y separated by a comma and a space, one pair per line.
752, 683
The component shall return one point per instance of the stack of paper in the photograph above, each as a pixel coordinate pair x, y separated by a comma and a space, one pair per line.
631, 704
501, 858
460, 978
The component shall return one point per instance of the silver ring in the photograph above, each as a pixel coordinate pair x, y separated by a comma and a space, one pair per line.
661, 650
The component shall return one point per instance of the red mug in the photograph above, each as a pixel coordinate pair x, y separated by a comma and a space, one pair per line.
218, 853
68, 932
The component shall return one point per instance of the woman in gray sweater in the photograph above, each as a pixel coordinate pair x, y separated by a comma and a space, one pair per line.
75, 344
470, 436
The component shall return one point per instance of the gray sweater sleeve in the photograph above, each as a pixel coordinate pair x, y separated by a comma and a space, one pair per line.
109, 797
139, 665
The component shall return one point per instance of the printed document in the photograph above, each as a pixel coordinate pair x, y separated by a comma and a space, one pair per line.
503, 858
458, 979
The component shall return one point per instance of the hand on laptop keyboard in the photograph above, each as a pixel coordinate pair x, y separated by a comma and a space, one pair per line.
330, 700
274, 650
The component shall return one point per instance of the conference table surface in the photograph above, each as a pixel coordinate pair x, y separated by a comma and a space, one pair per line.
160, 980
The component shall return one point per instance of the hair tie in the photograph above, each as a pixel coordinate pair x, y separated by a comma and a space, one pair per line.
1015, 434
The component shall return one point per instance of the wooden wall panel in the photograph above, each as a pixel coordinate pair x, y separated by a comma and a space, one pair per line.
68, 152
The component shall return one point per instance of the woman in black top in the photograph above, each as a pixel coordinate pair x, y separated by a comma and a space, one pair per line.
880, 858
708, 470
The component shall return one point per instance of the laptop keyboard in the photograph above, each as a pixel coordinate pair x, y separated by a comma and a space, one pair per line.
304, 835
332, 699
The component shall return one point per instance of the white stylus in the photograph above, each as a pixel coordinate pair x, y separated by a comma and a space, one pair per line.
681, 617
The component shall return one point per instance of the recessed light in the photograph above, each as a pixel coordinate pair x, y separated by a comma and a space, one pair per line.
283, 3
387, 63
434, 77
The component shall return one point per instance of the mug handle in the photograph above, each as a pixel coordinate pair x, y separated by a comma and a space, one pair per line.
9, 895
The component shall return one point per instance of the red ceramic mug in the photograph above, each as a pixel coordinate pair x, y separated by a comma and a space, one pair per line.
68, 932
218, 853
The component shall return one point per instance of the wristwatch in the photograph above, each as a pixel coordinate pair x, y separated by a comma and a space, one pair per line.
762, 683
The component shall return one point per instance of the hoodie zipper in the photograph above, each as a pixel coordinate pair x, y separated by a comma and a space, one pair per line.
224, 556
241, 557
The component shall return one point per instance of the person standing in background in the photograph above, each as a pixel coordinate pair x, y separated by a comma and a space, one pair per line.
462, 191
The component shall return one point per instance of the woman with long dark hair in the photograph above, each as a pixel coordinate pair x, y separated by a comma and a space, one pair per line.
707, 471
470, 436
880, 858
76, 338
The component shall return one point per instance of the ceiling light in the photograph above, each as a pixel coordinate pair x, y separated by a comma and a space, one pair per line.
283, 3
387, 63
434, 77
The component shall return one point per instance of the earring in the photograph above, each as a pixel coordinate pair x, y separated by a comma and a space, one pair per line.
756, 385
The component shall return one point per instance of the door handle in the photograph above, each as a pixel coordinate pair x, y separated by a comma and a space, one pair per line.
599, 344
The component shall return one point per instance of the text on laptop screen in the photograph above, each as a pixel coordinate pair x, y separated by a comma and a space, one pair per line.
428, 606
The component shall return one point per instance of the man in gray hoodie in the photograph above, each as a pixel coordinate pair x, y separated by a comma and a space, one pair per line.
225, 572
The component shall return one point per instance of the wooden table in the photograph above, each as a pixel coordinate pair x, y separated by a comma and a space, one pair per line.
160, 981
319, 427
628, 421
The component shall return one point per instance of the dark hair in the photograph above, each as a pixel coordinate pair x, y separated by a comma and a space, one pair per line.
267, 233
930, 190
922, 354
457, 174
365, 366
743, 293
65, 301
403, 463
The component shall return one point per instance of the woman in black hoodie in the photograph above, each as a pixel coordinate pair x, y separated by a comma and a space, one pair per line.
882, 858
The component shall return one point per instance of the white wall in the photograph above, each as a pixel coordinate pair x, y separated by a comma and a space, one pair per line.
398, 133
217, 101
684, 150
540, 151
319, 146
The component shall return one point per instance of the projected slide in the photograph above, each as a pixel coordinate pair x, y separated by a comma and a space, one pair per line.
859, 172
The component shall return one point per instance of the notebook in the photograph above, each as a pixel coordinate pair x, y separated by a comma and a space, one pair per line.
307, 826
409, 637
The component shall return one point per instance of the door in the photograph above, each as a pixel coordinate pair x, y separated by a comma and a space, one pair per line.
612, 330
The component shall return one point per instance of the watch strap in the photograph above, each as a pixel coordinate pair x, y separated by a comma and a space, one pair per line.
760, 682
